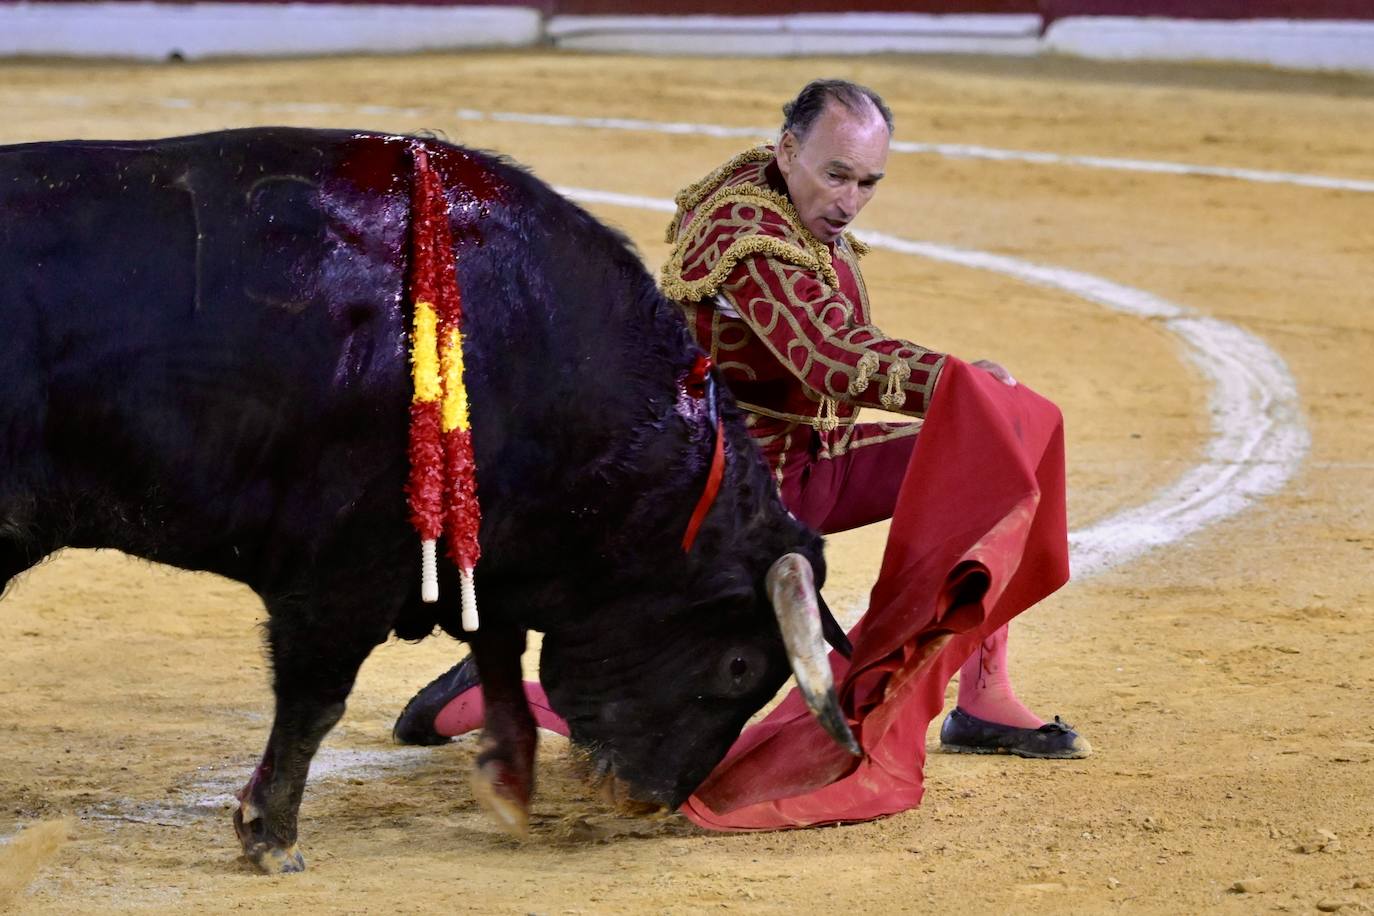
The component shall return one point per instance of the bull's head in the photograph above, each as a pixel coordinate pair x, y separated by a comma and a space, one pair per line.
657, 703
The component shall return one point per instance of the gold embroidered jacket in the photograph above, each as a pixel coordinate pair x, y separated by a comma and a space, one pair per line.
785, 316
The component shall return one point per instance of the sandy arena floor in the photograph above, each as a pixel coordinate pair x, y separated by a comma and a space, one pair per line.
1225, 678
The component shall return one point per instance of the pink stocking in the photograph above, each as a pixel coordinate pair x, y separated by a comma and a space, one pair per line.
985, 687
464, 713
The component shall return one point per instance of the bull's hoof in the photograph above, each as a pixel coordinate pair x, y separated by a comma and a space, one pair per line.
274, 860
502, 797
269, 855
618, 795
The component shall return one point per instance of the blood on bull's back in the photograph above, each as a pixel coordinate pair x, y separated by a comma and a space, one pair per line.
225, 311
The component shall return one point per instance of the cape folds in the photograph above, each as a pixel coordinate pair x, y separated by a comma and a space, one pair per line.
979, 534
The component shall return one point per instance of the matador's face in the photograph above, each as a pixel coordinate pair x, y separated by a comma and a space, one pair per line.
833, 171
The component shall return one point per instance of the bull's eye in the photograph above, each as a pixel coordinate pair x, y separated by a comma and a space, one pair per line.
738, 673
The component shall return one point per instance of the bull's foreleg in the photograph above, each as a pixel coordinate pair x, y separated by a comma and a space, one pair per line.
315, 659
503, 780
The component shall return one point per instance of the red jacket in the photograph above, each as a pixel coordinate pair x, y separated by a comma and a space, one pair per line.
785, 316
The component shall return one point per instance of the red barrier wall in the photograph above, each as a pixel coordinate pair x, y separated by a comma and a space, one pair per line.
1210, 9
681, 7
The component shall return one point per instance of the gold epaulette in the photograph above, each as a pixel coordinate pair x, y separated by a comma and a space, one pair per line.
803, 249
695, 193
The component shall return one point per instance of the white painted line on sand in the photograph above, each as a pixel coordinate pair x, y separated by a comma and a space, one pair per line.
946, 150
211, 790
967, 151
1258, 436
691, 128
612, 199
1258, 442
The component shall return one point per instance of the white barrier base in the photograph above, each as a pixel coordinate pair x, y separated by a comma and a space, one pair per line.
1298, 44
802, 34
158, 31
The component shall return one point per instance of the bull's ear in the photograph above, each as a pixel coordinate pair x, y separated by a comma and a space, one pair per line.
832, 631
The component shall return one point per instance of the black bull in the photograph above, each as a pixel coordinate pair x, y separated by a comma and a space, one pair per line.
204, 363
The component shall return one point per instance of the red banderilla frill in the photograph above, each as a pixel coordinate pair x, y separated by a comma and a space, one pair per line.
443, 487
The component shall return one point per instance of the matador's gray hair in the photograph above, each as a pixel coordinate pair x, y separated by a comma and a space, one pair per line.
801, 113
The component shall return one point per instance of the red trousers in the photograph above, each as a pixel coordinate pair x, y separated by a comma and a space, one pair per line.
850, 482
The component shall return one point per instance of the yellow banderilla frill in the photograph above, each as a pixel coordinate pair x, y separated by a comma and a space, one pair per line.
424, 354
455, 392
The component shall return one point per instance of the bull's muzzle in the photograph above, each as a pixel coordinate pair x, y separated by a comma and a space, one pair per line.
792, 589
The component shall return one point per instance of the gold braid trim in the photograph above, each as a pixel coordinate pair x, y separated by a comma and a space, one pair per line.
860, 248
674, 287
868, 364
783, 205
893, 396
694, 194
814, 256
794, 417
827, 418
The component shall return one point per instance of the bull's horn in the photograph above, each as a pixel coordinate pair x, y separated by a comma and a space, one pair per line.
792, 589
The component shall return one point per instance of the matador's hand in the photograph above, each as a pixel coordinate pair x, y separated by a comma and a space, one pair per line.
996, 371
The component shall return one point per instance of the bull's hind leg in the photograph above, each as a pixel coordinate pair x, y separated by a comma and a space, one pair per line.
317, 650
504, 777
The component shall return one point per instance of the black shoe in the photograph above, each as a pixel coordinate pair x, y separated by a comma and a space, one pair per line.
962, 733
415, 725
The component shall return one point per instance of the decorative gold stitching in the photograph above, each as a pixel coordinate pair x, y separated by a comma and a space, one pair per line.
815, 256
827, 419
787, 279
782, 458
802, 250
694, 194
893, 396
851, 260
867, 437
791, 417
868, 364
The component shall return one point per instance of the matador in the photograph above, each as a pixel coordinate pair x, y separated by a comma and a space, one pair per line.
767, 274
